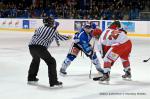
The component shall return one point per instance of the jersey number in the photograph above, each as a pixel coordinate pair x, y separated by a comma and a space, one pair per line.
113, 34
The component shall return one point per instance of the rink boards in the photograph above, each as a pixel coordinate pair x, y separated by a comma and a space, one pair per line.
70, 26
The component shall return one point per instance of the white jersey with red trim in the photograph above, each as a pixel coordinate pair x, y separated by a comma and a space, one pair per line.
112, 37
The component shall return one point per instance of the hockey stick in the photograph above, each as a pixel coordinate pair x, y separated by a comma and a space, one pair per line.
82, 54
91, 62
146, 60
90, 71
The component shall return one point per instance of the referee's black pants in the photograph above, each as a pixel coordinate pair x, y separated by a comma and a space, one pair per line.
37, 52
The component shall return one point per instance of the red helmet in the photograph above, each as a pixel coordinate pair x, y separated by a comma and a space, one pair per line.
96, 32
115, 25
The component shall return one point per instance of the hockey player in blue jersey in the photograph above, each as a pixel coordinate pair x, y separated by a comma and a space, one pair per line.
81, 41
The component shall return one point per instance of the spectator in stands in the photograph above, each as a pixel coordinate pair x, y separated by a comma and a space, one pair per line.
74, 9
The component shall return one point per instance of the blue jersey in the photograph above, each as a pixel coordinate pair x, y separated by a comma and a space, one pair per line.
82, 39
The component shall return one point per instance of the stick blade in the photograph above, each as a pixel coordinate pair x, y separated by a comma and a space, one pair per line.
144, 60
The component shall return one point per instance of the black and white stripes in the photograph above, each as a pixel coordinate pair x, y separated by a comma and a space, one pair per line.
44, 36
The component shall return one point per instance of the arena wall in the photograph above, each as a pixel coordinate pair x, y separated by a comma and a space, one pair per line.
70, 26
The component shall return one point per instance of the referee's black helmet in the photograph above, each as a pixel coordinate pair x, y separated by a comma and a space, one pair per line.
48, 21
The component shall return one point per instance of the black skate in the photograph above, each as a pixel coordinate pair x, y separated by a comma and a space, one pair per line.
104, 79
32, 81
97, 78
63, 72
58, 84
127, 75
101, 73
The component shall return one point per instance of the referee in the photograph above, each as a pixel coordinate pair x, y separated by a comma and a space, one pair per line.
38, 45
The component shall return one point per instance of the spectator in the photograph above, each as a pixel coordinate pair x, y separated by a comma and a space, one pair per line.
75, 9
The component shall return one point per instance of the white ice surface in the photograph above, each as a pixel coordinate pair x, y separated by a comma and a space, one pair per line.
15, 60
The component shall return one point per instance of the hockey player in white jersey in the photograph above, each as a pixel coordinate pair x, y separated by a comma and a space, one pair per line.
115, 44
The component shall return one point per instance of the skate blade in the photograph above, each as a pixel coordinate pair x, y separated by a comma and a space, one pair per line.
104, 82
127, 79
56, 86
32, 83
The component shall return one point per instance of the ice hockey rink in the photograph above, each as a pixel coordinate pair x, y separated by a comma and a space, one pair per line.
15, 60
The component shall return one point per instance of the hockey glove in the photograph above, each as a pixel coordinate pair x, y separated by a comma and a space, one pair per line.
69, 37
56, 24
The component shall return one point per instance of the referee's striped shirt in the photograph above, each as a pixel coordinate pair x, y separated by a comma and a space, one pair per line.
44, 36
